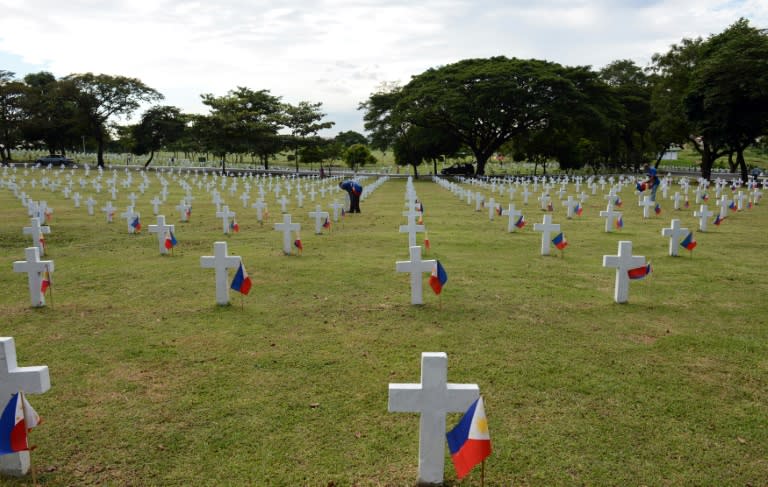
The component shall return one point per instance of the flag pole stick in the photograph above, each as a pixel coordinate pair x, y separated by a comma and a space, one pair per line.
50, 285
31, 464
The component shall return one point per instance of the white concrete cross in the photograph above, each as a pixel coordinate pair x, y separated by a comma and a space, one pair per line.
156, 202
300, 199
244, 198
433, 398
129, 215
610, 217
220, 261
491, 208
623, 262
411, 229
546, 228
184, 210
30, 380
677, 198
283, 203
133, 198
76, 199
336, 206
724, 204
675, 233
525, 194
570, 204
479, 198
35, 268
320, 216
741, 199
647, 204
703, 215
544, 201
37, 231
225, 215
90, 203
513, 216
161, 229
260, 206
287, 228
416, 267
109, 210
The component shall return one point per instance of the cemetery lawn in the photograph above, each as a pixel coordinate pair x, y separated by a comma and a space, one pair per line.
154, 384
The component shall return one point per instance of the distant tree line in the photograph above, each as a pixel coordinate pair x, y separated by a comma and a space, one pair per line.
59, 115
710, 94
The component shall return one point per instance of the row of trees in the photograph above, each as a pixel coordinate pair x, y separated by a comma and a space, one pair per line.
711, 94
59, 114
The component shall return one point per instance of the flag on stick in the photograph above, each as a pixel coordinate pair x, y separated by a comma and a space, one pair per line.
136, 224
17, 419
469, 441
689, 242
241, 283
520, 223
560, 241
438, 278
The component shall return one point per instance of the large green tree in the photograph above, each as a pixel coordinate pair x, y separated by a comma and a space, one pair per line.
12, 113
304, 121
358, 155
485, 102
52, 118
159, 127
101, 97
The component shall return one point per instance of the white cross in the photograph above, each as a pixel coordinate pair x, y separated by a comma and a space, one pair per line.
336, 206
34, 267
133, 198
225, 215
544, 200
610, 216
724, 204
416, 267
76, 199
513, 215
320, 217
647, 203
300, 199
411, 229
156, 202
90, 203
109, 210
37, 231
161, 229
479, 198
571, 205
433, 398
525, 194
283, 202
183, 209
675, 233
220, 261
129, 215
676, 198
740, 200
260, 207
491, 208
546, 228
244, 198
623, 262
287, 228
703, 214
30, 380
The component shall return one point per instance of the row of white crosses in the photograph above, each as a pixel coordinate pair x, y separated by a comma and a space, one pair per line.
416, 267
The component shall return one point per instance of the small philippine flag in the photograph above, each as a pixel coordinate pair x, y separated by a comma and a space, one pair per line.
298, 245
234, 226
426, 241
499, 211
618, 202
687, 203
241, 283
520, 223
560, 241
657, 209
550, 207
689, 242
438, 278
17, 419
718, 220
619, 223
579, 210
469, 441
136, 224
170, 240
45, 282
327, 223
639, 272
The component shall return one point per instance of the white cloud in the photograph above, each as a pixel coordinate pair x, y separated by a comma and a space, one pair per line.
338, 51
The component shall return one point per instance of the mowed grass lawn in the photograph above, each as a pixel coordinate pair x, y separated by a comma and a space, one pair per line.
153, 384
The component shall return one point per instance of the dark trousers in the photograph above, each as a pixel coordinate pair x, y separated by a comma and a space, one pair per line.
354, 203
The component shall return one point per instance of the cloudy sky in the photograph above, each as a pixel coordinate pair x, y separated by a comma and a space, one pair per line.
336, 51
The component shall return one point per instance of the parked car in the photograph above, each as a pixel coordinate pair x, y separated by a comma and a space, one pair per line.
54, 159
459, 169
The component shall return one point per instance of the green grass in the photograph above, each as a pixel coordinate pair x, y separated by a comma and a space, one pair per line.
153, 384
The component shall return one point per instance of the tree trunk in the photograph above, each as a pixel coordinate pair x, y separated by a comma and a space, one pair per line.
732, 165
742, 164
149, 161
100, 150
415, 172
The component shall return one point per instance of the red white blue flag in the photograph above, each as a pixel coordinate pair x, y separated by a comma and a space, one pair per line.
17, 419
469, 441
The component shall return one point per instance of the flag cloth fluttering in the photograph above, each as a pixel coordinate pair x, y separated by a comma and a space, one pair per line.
718, 220
469, 441
234, 226
579, 210
298, 245
689, 242
499, 211
618, 202
657, 209
17, 419
170, 240
639, 272
550, 207
520, 223
45, 282
438, 278
687, 204
426, 241
136, 224
327, 223
619, 223
241, 283
560, 241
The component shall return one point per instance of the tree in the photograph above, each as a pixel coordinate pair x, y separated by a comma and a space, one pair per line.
728, 96
101, 97
358, 155
159, 126
303, 120
350, 137
485, 102
12, 114
52, 118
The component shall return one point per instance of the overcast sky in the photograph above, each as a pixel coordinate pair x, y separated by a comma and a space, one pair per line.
336, 51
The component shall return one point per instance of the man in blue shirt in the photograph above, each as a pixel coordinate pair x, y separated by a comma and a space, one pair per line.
653, 181
354, 190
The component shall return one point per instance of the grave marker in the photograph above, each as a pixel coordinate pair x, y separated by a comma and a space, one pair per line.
623, 262
35, 268
220, 261
287, 228
546, 228
161, 229
675, 233
416, 267
37, 232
